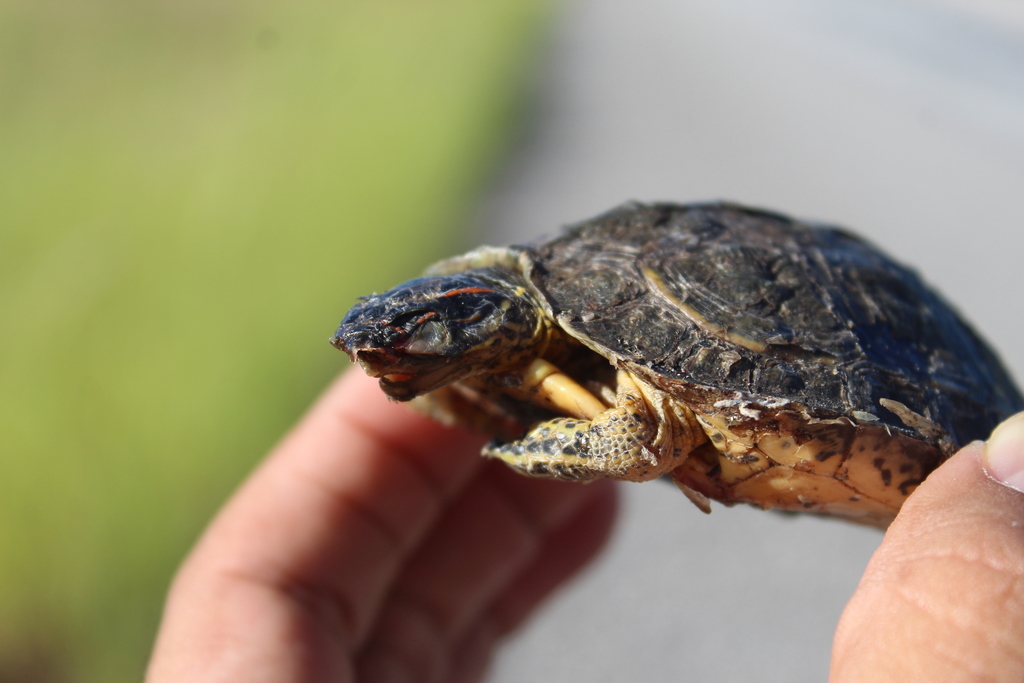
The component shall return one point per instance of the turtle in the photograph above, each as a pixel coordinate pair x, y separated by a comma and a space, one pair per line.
746, 356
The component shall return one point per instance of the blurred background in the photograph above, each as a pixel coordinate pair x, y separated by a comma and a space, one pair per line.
192, 194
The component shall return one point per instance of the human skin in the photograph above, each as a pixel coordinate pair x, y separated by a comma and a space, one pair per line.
374, 545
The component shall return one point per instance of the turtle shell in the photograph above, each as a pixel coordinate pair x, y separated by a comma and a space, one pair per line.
726, 306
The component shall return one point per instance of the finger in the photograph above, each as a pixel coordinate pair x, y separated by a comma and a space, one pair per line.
943, 597
359, 478
485, 540
320, 528
566, 550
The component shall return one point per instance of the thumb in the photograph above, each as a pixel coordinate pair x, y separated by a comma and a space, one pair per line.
943, 596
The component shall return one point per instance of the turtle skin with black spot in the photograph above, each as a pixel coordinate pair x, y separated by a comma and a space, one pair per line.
804, 369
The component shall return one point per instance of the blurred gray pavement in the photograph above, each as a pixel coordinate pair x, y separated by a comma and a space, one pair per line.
903, 120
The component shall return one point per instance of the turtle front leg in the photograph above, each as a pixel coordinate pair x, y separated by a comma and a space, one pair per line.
628, 441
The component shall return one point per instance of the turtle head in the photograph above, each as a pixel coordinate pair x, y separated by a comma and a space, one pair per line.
433, 331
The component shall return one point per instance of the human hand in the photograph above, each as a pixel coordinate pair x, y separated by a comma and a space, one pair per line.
373, 545
943, 596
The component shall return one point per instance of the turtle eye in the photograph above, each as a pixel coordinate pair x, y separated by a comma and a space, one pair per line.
430, 337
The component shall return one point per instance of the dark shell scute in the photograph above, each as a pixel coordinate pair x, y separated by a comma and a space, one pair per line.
595, 287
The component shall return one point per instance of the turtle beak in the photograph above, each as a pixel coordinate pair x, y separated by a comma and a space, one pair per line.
371, 347
402, 377
365, 338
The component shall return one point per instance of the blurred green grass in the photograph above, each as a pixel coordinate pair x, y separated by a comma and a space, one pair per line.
191, 195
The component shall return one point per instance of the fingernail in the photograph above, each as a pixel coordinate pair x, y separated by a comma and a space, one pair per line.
1004, 453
